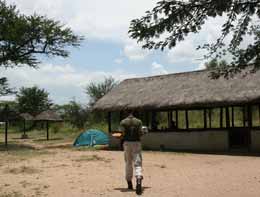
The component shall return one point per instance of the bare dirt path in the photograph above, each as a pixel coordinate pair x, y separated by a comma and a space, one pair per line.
65, 172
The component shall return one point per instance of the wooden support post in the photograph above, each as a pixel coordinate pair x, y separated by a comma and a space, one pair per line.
169, 119
154, 121
244, 116
176, 118
47, 125
187, 119
221, 117
210, 120
227, 118
232, 118
6, 133
205, 118
109, 122
6, 117
249, 111
24, 127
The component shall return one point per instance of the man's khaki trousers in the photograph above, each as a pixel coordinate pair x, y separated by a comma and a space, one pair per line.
133, 156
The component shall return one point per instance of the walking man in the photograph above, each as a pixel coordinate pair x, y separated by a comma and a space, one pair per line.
132, 128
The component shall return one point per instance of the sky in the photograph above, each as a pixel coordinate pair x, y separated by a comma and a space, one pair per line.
107, 49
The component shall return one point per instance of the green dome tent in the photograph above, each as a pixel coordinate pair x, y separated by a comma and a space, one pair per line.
91, 137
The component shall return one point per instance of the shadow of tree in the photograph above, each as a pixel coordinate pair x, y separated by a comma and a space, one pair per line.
15, 147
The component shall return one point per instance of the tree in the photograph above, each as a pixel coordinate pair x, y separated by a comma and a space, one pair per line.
74, 113
97, 90
218, 68
33, 100
23, 38
4, 87
170, 22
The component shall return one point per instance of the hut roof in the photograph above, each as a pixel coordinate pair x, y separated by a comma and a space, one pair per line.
26, 116
8, 115
48, 115
181, 90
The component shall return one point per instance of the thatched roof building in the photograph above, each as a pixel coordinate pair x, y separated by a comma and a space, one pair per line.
26, 116
48, 116
181, 90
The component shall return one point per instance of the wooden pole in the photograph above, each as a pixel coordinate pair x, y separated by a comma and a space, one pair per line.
244, 116
24, 127
205, 118
210, 120
221, 117
47, 130
176, 118
232, 118
6, 111
6, 133
227, 118
187, 119
109, 122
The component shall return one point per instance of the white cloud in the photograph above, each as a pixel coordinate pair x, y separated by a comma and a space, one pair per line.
62, 82
158, 69
95, 19
133, 51
98, 19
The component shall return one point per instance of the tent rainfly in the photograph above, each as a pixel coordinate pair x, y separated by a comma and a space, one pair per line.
48, 116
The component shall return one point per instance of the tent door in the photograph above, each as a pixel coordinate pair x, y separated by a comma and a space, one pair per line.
239, 138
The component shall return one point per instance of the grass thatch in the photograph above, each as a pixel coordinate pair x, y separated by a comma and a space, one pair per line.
48, 115
182, 90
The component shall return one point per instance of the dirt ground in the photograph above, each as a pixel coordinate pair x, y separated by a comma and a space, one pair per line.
62, 171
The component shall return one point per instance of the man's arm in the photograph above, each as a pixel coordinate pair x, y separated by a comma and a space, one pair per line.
140, 131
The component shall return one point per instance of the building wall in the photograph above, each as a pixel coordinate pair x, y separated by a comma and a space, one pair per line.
255, 140
197, 141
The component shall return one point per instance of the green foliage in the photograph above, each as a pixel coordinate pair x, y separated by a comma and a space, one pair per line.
97, 90
23, 38
177, 19
4, 87
74, 113
33, 100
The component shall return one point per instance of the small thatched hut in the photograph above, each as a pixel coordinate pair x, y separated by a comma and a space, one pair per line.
190, 110
25, 117
48, 116
7, 115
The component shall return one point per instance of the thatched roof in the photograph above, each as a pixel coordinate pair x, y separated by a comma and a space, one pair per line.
48, 115
8, 115
181, 90
26, 116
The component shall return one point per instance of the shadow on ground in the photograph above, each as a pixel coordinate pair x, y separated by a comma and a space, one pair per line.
129, 190
45, 140
15, 147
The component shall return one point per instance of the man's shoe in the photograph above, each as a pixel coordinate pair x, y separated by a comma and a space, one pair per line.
130, 184
138, 185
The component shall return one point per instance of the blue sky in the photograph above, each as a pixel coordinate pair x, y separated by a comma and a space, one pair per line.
106, 51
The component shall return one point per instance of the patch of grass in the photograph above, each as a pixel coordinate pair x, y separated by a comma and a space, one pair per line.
12, 194
22, 170
91, 158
